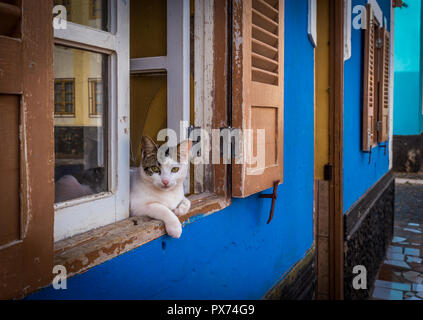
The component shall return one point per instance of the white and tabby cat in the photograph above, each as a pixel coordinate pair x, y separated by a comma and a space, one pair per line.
157, 187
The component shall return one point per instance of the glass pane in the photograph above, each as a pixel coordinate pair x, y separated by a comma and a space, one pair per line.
148, 109
91, 13
57, 108
80, 141
148, 28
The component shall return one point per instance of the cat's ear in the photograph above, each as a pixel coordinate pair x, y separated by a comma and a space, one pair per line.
184, 150
148, 146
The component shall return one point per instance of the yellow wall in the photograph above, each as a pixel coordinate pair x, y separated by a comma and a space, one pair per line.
148, 38
80, 12
321, 91
80, 65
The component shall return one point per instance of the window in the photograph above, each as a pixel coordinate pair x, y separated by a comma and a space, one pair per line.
91, 149
95, 9
376, 80
64, 97
95, 92
160, 69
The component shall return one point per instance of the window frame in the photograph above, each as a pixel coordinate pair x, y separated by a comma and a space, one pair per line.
92, 97
63, 113
84, 214
375, 139
76, 253
91, 8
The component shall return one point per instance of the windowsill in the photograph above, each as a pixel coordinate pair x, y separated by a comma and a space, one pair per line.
87, 250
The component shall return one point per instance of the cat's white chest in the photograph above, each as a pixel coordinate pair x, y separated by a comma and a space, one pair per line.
143, 196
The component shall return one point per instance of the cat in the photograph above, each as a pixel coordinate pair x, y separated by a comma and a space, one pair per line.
157, 186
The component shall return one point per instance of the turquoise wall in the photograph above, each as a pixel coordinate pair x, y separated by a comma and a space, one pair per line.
359, 173
408, 118
232, 254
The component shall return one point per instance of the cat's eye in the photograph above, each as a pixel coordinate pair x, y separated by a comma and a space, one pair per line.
155, 169
175, 169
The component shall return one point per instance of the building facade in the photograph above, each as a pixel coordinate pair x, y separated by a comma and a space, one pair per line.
303, 72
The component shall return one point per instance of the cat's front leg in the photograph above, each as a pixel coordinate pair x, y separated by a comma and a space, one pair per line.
160, 212
183, 207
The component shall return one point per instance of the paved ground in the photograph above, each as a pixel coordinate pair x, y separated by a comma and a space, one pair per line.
401, 276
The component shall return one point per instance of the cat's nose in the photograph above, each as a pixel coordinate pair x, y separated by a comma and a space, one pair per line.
165, 182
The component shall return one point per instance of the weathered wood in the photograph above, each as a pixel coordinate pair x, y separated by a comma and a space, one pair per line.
26, 264
258, 100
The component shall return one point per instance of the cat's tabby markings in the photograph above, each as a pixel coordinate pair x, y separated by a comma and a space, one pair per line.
157, 186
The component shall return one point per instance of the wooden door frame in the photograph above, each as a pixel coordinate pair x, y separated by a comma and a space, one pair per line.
336, 105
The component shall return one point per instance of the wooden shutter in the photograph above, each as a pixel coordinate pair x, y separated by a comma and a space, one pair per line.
384, 87
369, 89
26, 157
257, 83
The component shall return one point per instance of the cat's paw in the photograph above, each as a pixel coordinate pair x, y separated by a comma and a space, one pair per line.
183, 207
174, 229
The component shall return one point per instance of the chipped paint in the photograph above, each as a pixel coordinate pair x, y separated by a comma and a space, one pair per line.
85, 251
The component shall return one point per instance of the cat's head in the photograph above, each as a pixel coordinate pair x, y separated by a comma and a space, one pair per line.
165, 172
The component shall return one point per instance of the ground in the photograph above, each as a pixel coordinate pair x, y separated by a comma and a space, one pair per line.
401, 275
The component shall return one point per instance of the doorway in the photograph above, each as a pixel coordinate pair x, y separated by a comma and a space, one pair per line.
329, 73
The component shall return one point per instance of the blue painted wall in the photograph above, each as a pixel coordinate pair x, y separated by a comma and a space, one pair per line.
359, 175
231, 254
408, 118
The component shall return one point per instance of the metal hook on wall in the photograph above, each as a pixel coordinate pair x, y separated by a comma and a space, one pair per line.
272, 196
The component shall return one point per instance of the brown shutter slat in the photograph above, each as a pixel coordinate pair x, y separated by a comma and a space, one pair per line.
369, 103
384, 87
258, 92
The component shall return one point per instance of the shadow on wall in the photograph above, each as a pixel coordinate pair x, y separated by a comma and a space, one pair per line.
408, 153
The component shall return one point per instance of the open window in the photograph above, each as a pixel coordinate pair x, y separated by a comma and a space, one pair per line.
175, 57
376, 81
91, 71
175, 81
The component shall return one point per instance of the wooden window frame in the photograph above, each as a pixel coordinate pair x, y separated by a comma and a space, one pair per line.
92, 15
85, 250
63, 113
92, 97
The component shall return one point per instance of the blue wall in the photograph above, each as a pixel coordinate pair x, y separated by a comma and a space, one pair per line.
359, 175
408, 118
231, 254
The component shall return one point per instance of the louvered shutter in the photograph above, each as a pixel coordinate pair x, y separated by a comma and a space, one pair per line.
257, 82
369, 92
384, 87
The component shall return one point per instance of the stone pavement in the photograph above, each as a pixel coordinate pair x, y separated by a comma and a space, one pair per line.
401, 275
